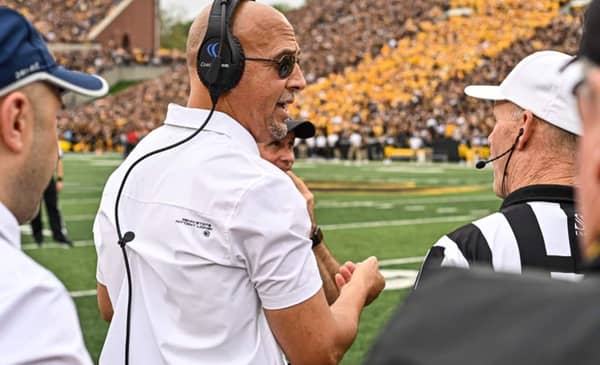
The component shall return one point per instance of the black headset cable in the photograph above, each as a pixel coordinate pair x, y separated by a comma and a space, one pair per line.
129, 235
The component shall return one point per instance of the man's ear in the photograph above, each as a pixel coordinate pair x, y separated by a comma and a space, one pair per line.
14, 110
528, 124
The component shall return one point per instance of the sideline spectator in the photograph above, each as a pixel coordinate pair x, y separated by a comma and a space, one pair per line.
51, 201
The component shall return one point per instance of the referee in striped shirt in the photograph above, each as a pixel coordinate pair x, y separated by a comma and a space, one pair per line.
534, 141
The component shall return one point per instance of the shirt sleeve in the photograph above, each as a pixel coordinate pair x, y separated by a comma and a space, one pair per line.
444, 253
110, 270
40, 324
269, 232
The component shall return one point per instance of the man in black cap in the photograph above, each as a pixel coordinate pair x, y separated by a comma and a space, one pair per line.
38, 321
281, 154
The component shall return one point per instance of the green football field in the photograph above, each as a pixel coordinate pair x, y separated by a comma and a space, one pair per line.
393, 211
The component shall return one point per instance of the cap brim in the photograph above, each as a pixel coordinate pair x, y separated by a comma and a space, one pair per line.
485, 92
301, 128
65, 80
78, 82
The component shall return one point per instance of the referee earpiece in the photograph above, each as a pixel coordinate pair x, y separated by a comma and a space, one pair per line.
220, 59
481, 164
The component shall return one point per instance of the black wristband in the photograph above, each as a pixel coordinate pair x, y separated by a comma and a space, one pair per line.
316, 237
59, 178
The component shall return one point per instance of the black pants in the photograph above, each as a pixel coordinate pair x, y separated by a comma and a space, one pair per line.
51, 202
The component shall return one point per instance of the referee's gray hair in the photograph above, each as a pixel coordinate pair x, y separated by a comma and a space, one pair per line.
559, 140
517, 112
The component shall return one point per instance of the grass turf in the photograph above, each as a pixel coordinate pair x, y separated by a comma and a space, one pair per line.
357, 224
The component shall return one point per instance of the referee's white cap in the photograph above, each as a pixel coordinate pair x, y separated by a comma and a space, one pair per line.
537, 84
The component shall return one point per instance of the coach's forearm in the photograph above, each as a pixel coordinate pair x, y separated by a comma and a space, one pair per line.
328, 267
346, 312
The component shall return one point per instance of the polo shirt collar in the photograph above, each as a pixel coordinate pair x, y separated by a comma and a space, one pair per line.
9, 227
220, 122
547, 193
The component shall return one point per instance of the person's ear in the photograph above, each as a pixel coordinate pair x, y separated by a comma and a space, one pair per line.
15, 111
528, 124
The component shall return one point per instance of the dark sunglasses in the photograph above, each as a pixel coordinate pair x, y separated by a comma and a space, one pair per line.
285, 65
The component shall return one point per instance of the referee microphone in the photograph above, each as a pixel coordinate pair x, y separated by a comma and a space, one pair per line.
481, 164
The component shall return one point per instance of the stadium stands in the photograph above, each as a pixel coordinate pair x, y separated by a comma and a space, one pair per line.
336, 34
407, 94
66, 21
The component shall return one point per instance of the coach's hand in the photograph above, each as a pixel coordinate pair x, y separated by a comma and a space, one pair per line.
367, 275
342, 277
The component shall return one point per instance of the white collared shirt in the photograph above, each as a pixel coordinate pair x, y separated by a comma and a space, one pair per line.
220, 234
38, 321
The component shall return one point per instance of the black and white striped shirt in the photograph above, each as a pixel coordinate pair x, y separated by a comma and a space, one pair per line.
536, 227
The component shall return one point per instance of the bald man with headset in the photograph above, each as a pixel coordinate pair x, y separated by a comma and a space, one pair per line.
203, 246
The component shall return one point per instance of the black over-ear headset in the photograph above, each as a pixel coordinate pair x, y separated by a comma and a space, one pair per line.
220, 60
220, 67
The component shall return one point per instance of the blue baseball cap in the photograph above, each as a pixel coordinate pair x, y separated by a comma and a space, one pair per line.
24, 58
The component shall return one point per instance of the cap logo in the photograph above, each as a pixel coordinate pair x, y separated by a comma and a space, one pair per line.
27, 70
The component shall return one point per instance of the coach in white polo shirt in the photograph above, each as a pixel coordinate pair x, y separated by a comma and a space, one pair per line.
38, 321
534, 140
221, 264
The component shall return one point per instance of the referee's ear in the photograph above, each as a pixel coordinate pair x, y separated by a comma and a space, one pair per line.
528, 123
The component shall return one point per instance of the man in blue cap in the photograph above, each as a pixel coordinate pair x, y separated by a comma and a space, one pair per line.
38, 321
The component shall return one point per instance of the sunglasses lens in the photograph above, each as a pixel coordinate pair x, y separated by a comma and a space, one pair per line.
286, 66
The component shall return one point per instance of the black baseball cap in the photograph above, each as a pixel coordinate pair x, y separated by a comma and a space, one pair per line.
301, 128
25, 58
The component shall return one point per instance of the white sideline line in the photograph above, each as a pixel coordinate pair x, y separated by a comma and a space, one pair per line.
333, 204
26, 229
33, 246
396, 223
395, 279
82, 293
325, 204
384, 206
401, 261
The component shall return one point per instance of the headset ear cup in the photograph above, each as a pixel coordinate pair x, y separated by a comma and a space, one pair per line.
233, 74
205, 58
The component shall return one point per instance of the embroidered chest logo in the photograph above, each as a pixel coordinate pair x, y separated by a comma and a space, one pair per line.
205, 227
578, 225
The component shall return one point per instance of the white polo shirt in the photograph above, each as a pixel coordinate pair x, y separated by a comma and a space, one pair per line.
220, 234
38, 321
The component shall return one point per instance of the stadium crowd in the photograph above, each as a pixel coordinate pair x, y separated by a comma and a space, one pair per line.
70, 22
101, 60
66, 21
337, 34
381, 102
